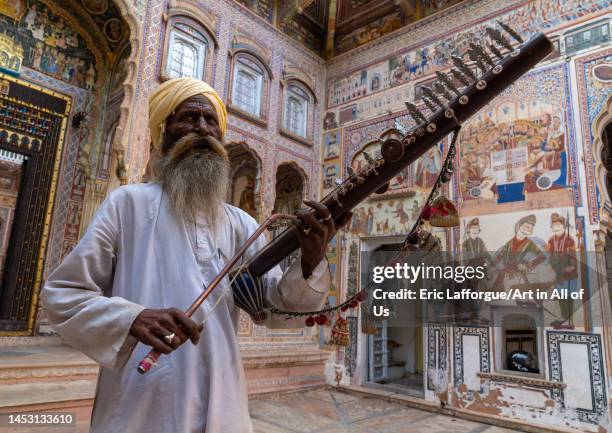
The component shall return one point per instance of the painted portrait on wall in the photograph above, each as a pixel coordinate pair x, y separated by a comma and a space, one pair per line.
331, 172
331, 141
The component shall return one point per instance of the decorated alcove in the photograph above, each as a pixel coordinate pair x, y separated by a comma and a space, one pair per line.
62, 116
245, 178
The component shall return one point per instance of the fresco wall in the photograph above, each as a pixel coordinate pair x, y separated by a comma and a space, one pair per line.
541, 127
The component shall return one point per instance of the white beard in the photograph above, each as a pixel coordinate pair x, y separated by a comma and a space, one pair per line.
195, 175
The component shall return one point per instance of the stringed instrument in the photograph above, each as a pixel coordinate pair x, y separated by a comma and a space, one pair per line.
449, 105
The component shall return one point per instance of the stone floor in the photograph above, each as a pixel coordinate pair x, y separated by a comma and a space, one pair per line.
326, 411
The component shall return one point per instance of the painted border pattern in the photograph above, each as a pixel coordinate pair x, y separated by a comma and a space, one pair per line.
596, 364
485, 361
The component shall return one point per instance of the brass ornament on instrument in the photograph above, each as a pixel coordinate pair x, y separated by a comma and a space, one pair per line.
392, 150
431, 127
464, 100
481, 84
497, 69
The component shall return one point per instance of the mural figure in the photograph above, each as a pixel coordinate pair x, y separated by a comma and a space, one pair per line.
402, 216
370, 220
329, 122
332, 145
474, 252
548, 167
330, 174
519, 257
561, 248
427, 169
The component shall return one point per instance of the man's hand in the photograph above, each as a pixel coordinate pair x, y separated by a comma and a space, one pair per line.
151, 326
315, 233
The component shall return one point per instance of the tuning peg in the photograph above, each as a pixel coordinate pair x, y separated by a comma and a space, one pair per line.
464, 68
460, 76
475, 57
431, 95
397, 125
443, 90
354, 176
429, 104
511, 32
416, 113
497, 36
482, 53
447, 82
368, 157
495, 51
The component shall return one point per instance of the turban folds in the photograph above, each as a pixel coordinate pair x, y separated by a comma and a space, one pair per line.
171, 94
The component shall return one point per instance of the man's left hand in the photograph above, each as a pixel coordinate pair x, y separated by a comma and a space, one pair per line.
315, 233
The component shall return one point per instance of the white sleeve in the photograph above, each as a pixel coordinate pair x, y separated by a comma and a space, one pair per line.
290, 291
74, 295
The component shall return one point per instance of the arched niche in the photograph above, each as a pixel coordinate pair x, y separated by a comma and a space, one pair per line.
290, 192
602, 153
245, 178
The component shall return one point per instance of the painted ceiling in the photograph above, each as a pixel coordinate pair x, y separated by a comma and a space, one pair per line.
332, 27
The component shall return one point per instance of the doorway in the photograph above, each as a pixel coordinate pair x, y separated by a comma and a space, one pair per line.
395, 353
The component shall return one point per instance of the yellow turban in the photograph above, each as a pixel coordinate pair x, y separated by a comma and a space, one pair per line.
171, 94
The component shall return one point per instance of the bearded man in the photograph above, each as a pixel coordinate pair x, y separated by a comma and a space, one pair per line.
147, 255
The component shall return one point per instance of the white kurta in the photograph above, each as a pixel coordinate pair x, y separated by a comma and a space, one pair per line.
135, 254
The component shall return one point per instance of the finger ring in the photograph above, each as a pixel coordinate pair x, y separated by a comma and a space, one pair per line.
328, 218
168, 338
307, 231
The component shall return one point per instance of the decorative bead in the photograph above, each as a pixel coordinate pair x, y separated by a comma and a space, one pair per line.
353, 304
321, 319
310, 322
344, 308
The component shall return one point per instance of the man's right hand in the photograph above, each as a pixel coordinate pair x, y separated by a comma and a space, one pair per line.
151, 326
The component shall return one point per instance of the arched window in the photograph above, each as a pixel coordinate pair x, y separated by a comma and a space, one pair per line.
298, 111
188, 49
248, 85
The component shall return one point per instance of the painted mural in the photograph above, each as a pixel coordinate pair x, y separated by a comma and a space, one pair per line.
538, 248
51, 45
430, 7
519, 145
263, 8
302, 34
370, 32
331, 144
425, 60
